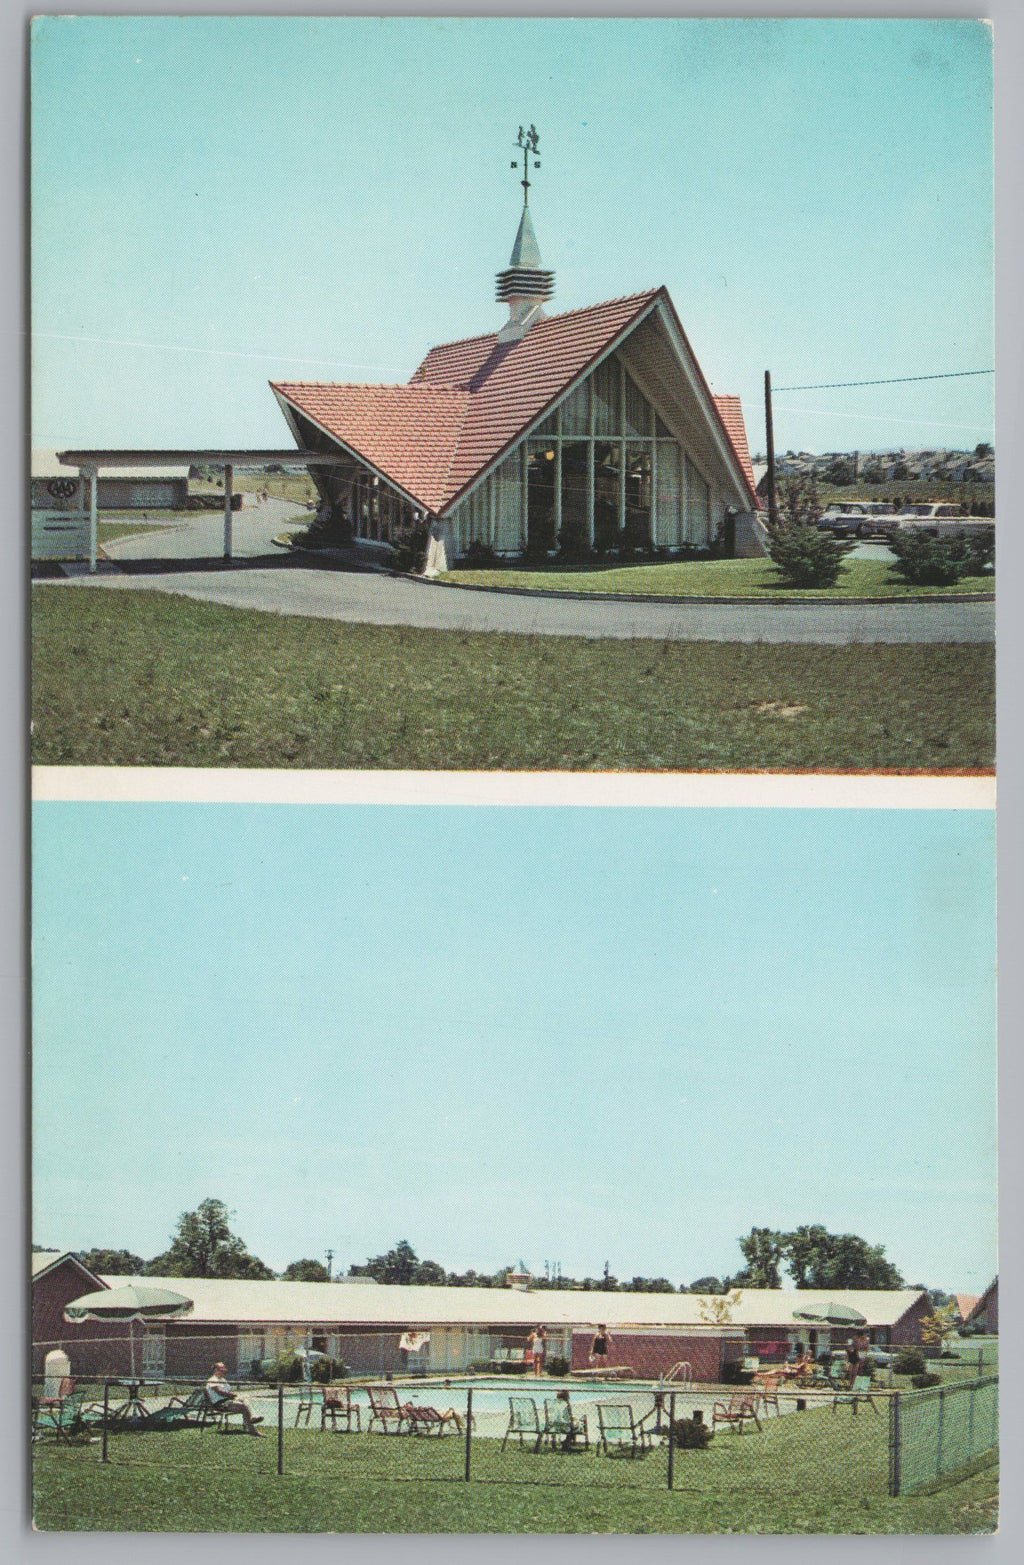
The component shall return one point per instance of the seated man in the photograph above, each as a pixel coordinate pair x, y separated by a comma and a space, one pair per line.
224, 1399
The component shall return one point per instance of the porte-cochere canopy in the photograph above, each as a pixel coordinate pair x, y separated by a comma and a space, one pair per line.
593, 427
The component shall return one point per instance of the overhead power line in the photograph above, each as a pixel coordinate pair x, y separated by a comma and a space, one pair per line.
897, 380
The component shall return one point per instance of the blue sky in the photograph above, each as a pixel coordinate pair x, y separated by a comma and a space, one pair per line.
584, 1035
219, 201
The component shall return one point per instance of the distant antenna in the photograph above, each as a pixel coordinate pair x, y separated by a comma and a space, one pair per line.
330, 1261
528, 142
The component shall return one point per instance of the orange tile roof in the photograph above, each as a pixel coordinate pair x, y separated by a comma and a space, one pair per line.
470, 400
730, 411
409, 433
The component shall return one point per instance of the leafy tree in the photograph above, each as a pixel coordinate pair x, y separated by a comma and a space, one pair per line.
983, 449
763, 1249
942, 1323
114, 1263
818, 1259
707, 1285
402, 1265
647, 1285
204, 1246
305, 1271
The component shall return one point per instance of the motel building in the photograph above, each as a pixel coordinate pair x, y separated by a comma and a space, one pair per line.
561, 433
363, 1324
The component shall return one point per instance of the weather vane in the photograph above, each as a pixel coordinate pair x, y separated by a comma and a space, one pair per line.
528, 141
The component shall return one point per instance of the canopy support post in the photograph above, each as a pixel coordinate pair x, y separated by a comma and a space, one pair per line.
229, 477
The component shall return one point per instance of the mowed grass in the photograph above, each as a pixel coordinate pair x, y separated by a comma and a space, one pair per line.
756, 579
147, 679
815, 1472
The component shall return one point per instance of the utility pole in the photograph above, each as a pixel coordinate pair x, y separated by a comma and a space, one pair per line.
773, 509
330, 1262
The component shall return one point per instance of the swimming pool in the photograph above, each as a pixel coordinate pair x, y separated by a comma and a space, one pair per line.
491, 1399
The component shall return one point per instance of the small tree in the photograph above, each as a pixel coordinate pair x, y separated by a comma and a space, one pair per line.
939, 1326
803, 555
204, 1246
718, 1311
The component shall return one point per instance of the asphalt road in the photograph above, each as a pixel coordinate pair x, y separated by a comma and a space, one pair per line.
280, 584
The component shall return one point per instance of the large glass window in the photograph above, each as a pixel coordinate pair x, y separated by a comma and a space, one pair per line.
607, 482
576, 411
575, 536
638, 411
606, 381
698, 508
508, 482
540, 498
638, 495
670, 526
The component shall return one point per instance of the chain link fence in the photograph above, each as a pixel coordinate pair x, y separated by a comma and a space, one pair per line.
941, 1433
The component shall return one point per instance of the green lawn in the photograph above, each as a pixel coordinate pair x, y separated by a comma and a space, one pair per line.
712, 579
148, 679
813, 1472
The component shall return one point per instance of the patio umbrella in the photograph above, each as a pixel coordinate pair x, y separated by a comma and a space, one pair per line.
130, 1303
832, 1314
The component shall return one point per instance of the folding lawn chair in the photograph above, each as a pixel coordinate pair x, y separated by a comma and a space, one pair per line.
61, 1417
524, 1421
742, 1405
387, 1411
620, 1431
860, 1391
563, 1428
339, 1407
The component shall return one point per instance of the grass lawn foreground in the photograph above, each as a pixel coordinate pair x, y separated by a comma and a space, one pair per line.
150, 679
756, 579
814, 1472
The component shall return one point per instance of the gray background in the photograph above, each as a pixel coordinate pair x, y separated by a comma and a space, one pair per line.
17, 1542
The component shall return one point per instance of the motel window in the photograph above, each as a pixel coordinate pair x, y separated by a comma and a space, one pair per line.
637, 412
607, 385
576, 411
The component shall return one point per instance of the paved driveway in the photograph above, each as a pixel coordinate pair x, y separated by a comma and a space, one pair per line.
189, 562
284, 587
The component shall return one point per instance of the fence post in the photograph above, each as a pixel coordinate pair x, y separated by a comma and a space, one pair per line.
469, 1429
280, 1428
106, 1411
970, 1422
895, 1453
938, 1439
671, 1439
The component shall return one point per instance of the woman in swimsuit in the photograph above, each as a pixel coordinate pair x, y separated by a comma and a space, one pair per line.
599, 1347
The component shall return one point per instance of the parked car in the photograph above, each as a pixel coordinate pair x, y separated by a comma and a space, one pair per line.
940, 519
856, 518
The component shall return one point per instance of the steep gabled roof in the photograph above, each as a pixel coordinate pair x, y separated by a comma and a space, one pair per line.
730, 411
409, 433
471, 400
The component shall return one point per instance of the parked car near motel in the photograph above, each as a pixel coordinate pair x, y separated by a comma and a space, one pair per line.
857, 518
940, 519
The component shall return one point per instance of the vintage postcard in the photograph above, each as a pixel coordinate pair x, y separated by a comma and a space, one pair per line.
513, 738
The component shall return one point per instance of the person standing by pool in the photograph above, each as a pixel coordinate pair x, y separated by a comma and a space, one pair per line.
599, 1347
538, 1346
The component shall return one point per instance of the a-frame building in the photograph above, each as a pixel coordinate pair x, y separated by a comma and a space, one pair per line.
594, 429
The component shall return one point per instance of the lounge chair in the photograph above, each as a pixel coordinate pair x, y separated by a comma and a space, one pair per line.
620, 1431
741, 1406
429, 1420
387, 1411
564, 1428
311, 1401
59, 1416
860, 1391
339, 1408
524, 1421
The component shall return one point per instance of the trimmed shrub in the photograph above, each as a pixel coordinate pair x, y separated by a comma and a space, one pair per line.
909, 1362
690, 1434
574, 542
922, 1382
411, 549
735, 1375
557, 1366
325, 1370
983, 549
924, 561
479, 553
805, 556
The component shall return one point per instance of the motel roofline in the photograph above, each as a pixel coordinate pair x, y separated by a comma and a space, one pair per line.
220, 456
218, 1301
